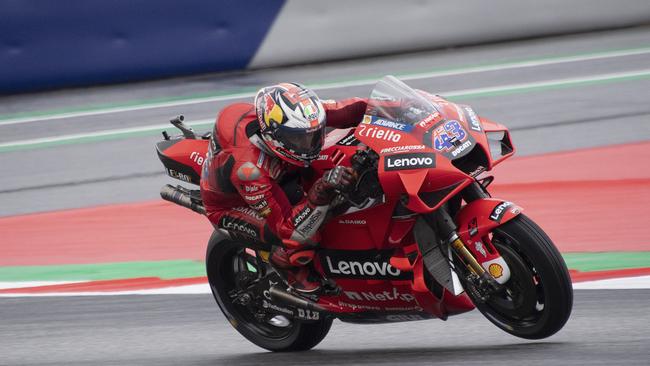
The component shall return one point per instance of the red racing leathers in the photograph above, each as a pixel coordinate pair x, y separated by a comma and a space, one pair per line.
240, 181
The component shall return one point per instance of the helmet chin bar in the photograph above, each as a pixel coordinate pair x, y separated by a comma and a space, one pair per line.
286, 154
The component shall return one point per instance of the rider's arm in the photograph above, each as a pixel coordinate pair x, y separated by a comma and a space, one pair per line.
299, 223
344, 113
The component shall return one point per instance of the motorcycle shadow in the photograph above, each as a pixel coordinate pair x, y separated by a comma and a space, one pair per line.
501, 354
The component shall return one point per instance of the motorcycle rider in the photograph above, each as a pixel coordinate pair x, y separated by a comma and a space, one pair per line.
255, 148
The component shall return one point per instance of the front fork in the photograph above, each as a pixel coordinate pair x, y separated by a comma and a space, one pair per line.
484, 269
476, 278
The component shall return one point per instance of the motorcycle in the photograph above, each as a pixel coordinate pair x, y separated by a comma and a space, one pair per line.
418, 237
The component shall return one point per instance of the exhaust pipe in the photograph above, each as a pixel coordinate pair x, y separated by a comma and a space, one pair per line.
182, 197
289, 299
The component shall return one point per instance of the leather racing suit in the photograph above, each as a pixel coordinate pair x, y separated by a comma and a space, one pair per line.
240, 181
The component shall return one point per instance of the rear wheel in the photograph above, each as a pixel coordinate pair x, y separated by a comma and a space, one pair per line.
226, 262
538, 297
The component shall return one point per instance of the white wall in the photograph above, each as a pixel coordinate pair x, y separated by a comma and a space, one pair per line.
318, 30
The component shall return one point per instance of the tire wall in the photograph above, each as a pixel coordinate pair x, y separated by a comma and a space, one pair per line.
51, 44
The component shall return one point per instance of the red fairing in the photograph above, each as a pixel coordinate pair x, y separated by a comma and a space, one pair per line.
478, 219
189, 152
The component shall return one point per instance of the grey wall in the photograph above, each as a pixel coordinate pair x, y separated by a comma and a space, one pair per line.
317, 30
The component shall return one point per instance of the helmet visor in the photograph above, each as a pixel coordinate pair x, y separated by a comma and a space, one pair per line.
306, 145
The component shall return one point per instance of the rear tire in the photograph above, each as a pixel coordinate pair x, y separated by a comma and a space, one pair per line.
298, 336
539, 295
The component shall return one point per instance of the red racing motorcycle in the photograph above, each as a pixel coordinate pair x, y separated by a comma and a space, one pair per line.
419, 236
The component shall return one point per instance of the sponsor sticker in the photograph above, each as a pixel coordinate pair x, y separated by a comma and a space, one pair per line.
499, 211
477, 171
253, 198
349, 140
236, 225
379, 133
472, 118
495, 270
269, 305
446, 134
480, 248
352, 222
393, 295
461, 148
472, 227
178, 175
301, 216
409, 161
391, 124
308, 314
429, 120
259, 206
252, 188
310, 224
397, 149
248, 211
365, 264
197, 158
262, 207
248, 171
310, 110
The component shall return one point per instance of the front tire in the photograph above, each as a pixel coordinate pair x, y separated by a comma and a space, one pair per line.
221, 259
539, 294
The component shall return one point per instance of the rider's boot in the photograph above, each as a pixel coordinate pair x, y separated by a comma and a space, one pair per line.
295, 267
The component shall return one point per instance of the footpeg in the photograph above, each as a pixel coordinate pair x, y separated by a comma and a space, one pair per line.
329, 287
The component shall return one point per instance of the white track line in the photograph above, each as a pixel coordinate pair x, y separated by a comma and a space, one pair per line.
351, 83
627, 283
203, 288
452, 93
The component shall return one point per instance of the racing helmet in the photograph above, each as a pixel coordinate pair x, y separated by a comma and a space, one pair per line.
292, 122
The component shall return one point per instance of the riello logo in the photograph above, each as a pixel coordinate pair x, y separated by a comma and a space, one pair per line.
379, 133
410, 161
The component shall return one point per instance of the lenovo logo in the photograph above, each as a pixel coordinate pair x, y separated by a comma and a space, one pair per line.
361, 268
499, 211
367, 264
410, 161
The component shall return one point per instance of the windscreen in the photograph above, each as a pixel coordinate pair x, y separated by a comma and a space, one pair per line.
395, 101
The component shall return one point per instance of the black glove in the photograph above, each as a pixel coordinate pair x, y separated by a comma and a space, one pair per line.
324, 189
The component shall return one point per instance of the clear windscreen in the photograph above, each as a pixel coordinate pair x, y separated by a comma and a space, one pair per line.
395, 101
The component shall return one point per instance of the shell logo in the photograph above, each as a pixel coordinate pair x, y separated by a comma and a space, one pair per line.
495, 270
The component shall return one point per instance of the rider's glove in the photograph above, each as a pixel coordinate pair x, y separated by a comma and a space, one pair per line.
324, 189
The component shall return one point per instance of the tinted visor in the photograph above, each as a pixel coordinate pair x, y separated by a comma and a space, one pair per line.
304, 144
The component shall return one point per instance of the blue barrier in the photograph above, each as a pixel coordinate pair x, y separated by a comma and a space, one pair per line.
47, 44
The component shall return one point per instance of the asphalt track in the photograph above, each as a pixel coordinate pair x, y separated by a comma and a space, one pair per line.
607, 327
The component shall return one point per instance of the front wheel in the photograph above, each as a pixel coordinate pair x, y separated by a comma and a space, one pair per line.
227, 260
538, 297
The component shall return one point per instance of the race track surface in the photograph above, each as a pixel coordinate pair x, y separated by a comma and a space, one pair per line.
549, 106
606, 328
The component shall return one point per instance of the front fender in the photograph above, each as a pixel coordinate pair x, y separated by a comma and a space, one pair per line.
475, 221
